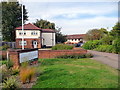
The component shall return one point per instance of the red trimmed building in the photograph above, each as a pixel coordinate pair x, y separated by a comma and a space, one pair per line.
34, 37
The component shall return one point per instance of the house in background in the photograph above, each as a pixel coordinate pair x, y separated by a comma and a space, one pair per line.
75, 39
34, 37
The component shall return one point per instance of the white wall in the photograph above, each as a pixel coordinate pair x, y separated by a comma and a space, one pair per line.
28, 34
74, 41
48, 39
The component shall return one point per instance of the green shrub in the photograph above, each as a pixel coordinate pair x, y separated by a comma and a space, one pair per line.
4, 47
9, 64
92, 44
11, 83
88, 55
4, 73
3, 62
107, 40
62, 47
116, 45
105, 48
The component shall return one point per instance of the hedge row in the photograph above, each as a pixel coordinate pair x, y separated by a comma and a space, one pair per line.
92, 44
62, 47
99, 46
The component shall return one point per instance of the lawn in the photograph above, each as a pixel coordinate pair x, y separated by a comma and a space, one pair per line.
75, 73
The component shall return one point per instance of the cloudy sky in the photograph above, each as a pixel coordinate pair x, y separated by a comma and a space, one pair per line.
74, 17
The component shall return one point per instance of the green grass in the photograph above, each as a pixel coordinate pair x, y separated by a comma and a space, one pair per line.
75, 73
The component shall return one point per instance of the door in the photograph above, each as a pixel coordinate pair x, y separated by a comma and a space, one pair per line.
35, 44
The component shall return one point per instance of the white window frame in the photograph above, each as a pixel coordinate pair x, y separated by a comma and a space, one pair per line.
21, 33
34, 33
20, 43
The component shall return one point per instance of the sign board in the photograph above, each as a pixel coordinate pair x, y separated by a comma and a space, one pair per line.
26, 56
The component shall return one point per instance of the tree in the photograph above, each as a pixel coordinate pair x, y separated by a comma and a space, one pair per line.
44, 24
116, 30
11, 18
94, 34
60, 38
104, 31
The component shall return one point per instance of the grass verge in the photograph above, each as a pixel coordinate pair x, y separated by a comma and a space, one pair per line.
75, 73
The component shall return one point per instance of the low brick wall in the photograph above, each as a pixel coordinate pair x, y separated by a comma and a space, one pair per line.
14, 55
54, 53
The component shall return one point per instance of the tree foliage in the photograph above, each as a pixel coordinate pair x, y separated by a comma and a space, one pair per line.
44, 24
116, 30
94, 34
11, 18
60, 38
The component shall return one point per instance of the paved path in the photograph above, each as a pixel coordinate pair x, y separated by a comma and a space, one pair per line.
106, 58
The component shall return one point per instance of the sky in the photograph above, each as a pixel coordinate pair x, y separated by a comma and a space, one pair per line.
73, 16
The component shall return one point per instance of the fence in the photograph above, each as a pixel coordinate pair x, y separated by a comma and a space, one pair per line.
10, 44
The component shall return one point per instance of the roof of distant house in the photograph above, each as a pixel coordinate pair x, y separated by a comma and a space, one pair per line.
28, 26
75, 36
47, 30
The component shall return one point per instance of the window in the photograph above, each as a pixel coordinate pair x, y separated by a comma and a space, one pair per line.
20, 43
75, 39
34, 33
20, 33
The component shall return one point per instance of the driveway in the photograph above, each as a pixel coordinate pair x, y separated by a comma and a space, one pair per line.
106, 58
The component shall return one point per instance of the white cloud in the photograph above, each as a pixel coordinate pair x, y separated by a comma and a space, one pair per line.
71, 26
83, 25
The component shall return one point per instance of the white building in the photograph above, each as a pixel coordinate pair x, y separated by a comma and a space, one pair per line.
34, 37
75, 39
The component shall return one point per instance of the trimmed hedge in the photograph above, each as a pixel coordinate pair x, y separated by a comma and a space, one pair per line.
92, 44
62, 47
88, 55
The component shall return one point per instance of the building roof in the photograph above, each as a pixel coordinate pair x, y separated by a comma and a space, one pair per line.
28, 26
75, 36
47, 30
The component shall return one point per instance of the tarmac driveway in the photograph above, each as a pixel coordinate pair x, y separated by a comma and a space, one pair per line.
107, 58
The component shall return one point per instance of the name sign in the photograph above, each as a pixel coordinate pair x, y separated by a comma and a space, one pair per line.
26, 56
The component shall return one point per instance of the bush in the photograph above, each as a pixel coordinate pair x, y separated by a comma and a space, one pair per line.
11, 83
15, 70
3, 62
88, 55
92, 44
105, 48
27, 73
4, 73
4, 47
116, 45
9, 64
62, 47
107, 40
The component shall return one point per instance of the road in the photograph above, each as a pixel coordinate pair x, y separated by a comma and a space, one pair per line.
110, 59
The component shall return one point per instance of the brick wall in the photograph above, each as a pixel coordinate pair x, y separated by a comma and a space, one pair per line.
29, 43
3, 55
14, 55
54, 53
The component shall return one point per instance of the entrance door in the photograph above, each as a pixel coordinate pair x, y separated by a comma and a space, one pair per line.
35, 44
